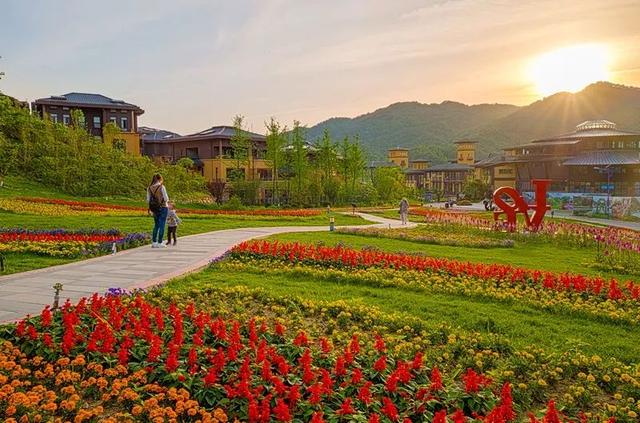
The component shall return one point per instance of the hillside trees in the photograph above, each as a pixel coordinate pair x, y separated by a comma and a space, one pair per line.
68, 158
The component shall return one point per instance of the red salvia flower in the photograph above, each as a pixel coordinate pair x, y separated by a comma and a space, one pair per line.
346, 408
389, 409
379, 344
380, 365
281, 411
440, 416
436, 380
459, 417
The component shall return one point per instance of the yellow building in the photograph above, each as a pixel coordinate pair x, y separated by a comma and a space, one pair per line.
447, 179
466, 152
399, 156
211, 152
128, 141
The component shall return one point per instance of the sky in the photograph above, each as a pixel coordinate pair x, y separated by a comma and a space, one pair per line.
193, 64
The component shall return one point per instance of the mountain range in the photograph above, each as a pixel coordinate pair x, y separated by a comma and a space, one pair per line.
429, 130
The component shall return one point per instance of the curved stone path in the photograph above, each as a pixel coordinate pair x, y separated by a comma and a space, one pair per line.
28, 292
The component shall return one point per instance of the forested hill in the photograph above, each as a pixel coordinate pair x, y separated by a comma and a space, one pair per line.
429, 129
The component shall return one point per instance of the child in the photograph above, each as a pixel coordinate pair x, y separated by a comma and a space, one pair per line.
172, 222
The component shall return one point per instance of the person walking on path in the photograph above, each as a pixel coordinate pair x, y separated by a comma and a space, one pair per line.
404, 211
158, 198
172, 223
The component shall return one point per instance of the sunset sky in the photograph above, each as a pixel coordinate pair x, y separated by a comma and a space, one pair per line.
195, 64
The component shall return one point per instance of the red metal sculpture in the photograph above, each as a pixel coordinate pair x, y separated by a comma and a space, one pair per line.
519, 205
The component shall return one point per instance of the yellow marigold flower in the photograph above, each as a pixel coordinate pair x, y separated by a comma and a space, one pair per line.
542, 382
220, 415
632, 414
591, 378
606, 378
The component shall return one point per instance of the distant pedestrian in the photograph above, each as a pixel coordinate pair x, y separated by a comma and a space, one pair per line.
172, 223
157, 198
404, 211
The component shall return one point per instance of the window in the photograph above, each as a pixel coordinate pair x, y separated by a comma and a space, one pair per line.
113, 120
54, 118
66, 119
124, 124
96, 122
192, 152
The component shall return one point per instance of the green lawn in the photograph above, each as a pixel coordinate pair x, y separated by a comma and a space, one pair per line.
21, 187
534, 255
190, 225
15, 263
521, 325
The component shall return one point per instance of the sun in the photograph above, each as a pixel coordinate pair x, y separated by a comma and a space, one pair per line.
570, 68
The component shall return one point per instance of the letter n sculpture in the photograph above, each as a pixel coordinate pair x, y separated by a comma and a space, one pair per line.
519, 205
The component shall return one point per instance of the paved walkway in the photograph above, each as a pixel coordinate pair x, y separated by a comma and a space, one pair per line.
28, 292
568, 215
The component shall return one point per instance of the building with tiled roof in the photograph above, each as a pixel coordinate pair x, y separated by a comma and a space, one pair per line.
97, 111
446, 179
210, 150
596, 158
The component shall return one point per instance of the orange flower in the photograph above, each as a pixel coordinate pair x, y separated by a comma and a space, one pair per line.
220, 415
136, 410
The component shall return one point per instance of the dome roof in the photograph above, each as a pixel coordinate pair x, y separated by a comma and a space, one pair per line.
595, 124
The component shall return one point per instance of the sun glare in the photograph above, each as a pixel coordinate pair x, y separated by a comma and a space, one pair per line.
570, 68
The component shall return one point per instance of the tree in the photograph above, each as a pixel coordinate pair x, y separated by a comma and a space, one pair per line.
276, 142
355, 163
241, 146
299, 162
475, 189
352, 165
344, 150
327, 164
390, 184
217, 189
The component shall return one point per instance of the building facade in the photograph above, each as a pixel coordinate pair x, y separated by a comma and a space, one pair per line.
596, 158
97, 111
446, 179
399, 156
210, 150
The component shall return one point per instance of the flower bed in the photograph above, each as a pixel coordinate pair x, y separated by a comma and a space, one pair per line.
595, 307
140, 355
70, 207
69, 244
574, 234
425, 235
501, 274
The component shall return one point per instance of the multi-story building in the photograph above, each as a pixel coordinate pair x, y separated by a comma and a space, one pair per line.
97, 111
447, 179
596, 158
399, 156
210, 150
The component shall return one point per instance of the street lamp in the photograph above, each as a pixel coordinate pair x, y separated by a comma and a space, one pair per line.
609, 171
